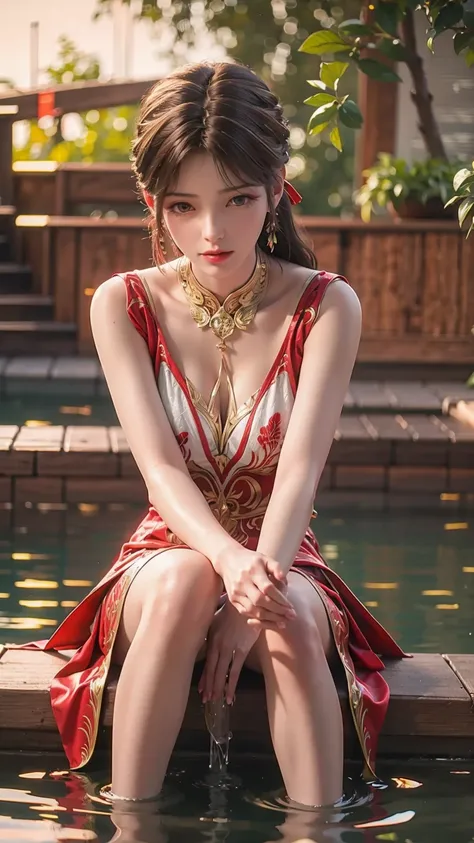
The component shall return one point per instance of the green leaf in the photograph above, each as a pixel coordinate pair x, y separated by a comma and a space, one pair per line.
465, 207
461, 177
470, 57
323, 114
386, 15
316, 130
354, 26
394, 49
331, 72
324, 41
318, 83
377, 70
449, 15
350, 115
320, 99
335, 138
461, 41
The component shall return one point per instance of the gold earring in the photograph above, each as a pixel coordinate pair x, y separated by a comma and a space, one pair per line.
272, 238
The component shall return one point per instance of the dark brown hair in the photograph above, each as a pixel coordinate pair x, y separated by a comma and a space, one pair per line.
225, 109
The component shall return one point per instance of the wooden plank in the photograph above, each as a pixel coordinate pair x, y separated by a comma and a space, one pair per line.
428, 702
77, 464
370, 394
360, 477
65, 280
118, 440
38, 490
42, 438
463, 667
7, 435
386, 426
98, 490
413, 396
89, 438
413, 478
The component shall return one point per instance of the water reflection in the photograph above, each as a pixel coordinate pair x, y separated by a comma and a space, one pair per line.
414, 573
415, 801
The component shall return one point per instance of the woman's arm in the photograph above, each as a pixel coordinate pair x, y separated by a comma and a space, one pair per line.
129, 374
329, 356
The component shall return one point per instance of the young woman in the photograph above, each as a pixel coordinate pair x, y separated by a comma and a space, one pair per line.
228, 365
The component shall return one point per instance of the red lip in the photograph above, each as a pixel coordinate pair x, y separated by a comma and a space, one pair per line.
215, 253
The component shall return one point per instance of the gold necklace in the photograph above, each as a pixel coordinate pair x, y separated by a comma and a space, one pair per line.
238, 308
236, 311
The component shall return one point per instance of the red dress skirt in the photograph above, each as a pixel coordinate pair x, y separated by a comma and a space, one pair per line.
234, 466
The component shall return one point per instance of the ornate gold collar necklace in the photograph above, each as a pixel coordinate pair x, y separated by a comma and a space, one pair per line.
238, 308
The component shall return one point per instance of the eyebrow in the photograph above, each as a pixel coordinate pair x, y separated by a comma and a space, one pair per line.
225, 190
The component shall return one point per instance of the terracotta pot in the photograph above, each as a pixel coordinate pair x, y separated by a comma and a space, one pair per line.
433, 209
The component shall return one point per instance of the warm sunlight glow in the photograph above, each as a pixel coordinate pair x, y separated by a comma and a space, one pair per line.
382, 586
36, 584
433, 592
32, 220
447, 606
28, 557
74, 583
39, 604
371, 604
450, 496
76, 411
456, 525
37, 423
69, 604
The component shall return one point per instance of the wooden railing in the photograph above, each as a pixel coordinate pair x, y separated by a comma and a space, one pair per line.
415, 279
74, 189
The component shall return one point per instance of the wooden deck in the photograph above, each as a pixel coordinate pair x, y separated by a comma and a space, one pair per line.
431, 711
378, 460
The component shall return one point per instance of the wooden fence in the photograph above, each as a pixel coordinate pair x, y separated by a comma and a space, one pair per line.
415, 279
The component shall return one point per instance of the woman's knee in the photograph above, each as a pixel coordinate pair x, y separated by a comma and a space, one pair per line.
183, 587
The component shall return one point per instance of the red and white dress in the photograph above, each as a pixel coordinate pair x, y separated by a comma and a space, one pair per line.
234, 466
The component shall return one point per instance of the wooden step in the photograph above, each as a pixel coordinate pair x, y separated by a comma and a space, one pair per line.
14, 278
37, 337
430, 712
24, 307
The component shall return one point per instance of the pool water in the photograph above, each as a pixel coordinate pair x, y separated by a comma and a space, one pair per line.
415, 573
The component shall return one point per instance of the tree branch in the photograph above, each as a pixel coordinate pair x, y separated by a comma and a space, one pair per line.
420, 95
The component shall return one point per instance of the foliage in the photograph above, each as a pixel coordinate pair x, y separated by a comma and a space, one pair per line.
463, 185
391, 181
98, 135
372, 44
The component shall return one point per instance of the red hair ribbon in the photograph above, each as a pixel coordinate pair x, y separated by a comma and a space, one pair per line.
294, 196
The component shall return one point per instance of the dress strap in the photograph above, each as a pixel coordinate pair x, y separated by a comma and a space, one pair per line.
148, 295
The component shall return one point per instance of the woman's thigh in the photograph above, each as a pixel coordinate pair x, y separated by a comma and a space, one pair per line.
178, 576
305, 598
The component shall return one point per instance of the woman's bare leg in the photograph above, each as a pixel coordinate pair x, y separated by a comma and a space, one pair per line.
166, 615
303, 705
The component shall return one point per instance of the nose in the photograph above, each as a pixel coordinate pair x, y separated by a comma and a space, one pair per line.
212, 228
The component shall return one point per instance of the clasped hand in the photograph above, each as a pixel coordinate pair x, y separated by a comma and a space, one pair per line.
255, 586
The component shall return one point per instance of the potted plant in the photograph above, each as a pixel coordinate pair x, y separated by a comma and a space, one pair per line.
419, 190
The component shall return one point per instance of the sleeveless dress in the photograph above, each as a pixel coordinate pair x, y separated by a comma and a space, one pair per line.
234, 466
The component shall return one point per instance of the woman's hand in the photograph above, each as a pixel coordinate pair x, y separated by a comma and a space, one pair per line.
255, 585
229, 641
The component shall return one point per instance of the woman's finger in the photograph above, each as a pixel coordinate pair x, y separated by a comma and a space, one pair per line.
234, 673
270, 590
207, 679
220, 675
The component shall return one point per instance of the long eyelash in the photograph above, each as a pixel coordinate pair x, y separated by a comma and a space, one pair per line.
237, 196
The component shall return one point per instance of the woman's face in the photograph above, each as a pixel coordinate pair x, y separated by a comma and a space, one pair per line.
202, 214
